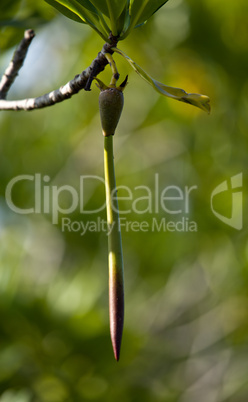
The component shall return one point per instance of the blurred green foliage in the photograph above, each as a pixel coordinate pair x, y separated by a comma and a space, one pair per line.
17, 15
186, 322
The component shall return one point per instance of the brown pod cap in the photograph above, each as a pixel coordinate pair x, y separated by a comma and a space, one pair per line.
111, 102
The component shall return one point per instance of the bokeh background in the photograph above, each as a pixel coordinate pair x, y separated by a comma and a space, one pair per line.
186, 317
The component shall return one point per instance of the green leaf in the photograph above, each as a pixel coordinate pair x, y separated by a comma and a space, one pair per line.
88, 5
123, 15
141, 11
84, 10
94, 18
200, 101
112, 9
123, 22
65, 11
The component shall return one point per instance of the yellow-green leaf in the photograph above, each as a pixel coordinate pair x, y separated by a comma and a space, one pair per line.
140, 11
201, 101
65, 11
82, 11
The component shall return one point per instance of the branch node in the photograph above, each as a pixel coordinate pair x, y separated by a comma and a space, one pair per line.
80, 81
29, 34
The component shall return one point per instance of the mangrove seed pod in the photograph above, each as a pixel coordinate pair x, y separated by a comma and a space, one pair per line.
115, 254
111, 102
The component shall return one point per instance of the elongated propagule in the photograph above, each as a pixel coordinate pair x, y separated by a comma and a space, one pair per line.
110, 105
115, 256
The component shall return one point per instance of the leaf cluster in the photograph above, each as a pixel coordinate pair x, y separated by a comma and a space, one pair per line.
118, 17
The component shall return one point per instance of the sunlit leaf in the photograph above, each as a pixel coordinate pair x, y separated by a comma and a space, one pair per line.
65, 11
141, 11
121, 15
201, 101
84, 10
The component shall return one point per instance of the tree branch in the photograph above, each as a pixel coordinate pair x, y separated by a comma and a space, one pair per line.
16, 63
80, 81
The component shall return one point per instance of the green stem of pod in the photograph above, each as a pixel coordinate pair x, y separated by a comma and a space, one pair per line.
115, 256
